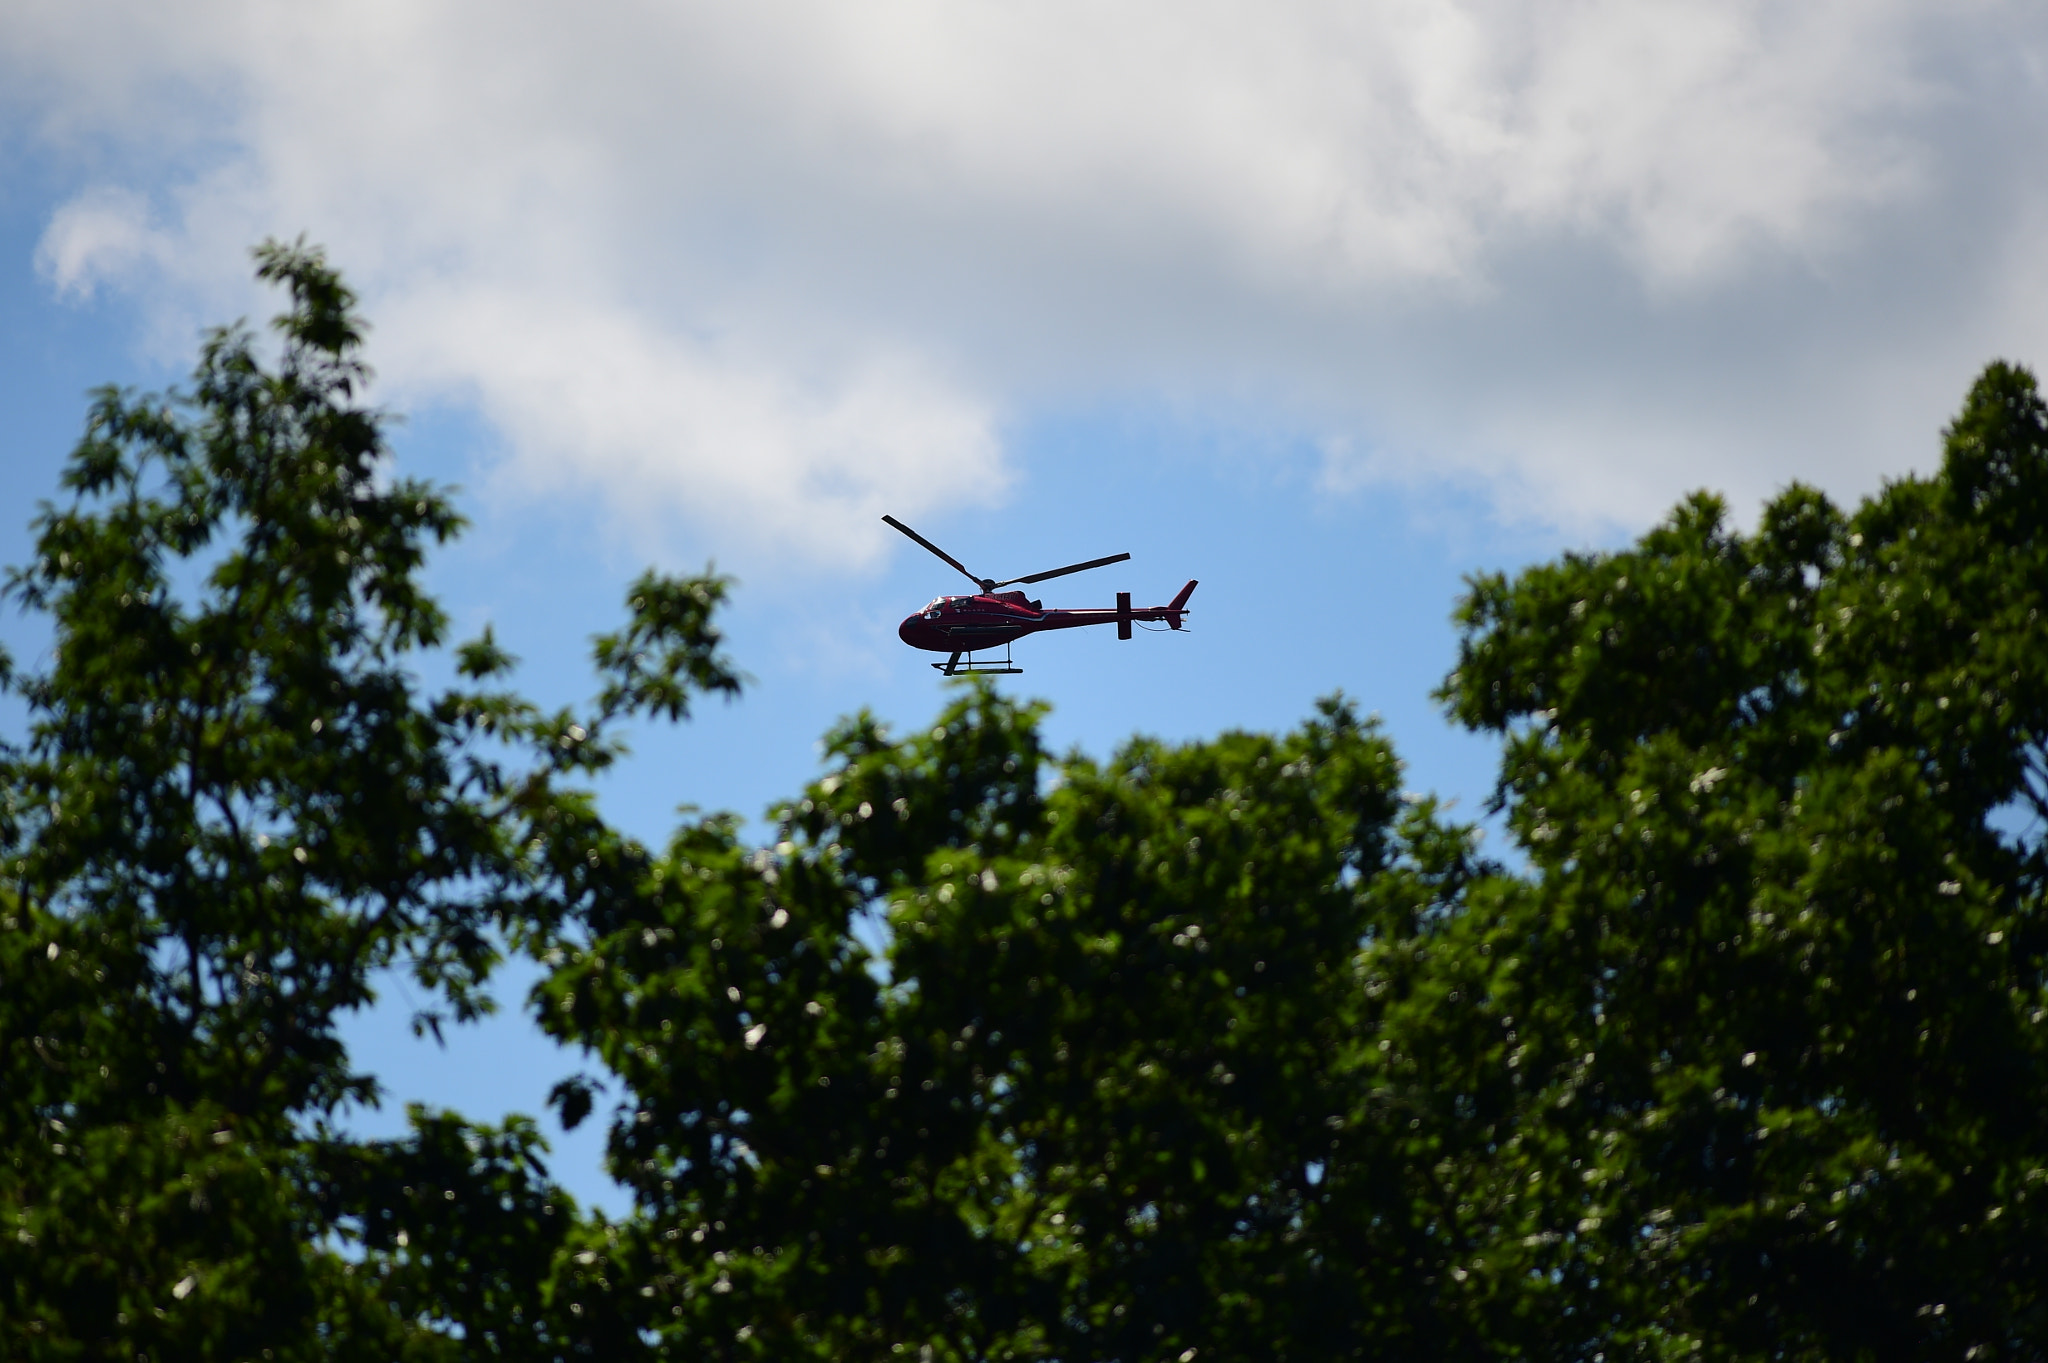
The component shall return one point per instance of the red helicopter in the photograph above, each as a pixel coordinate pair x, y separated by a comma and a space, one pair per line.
962, 625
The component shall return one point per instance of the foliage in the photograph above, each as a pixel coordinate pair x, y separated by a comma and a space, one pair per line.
233, 808
1106, 1092
1778, 965
1222, 1050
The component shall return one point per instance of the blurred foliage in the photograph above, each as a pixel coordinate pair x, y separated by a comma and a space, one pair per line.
1224, 1050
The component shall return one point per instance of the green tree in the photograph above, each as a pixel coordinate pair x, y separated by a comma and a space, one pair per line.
1777, 970
232, 808
1109, 1089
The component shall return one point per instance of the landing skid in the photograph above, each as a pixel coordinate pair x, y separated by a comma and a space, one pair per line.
953, 667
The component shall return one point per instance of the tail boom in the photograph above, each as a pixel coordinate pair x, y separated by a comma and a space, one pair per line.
1122, 615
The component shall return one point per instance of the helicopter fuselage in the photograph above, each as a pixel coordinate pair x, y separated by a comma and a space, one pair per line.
964, 624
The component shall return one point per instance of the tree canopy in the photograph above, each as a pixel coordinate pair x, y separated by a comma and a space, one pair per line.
1220, 1050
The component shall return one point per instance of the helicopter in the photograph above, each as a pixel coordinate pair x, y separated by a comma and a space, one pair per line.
962, 625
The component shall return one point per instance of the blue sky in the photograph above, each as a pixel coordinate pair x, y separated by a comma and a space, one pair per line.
1326, 305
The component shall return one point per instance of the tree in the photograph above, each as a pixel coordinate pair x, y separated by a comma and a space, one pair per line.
232, 808
1777, 969
1108, 1090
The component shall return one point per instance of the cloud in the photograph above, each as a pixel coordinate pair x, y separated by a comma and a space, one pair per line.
771, 267
593, 399
101, 235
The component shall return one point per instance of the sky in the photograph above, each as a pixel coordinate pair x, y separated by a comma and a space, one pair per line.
1327, 305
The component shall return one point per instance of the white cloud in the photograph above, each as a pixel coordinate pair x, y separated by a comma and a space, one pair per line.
100, 235
593, 398
775, 266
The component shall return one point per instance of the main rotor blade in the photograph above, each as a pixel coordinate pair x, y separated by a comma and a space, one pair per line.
1070, 568
980, 583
